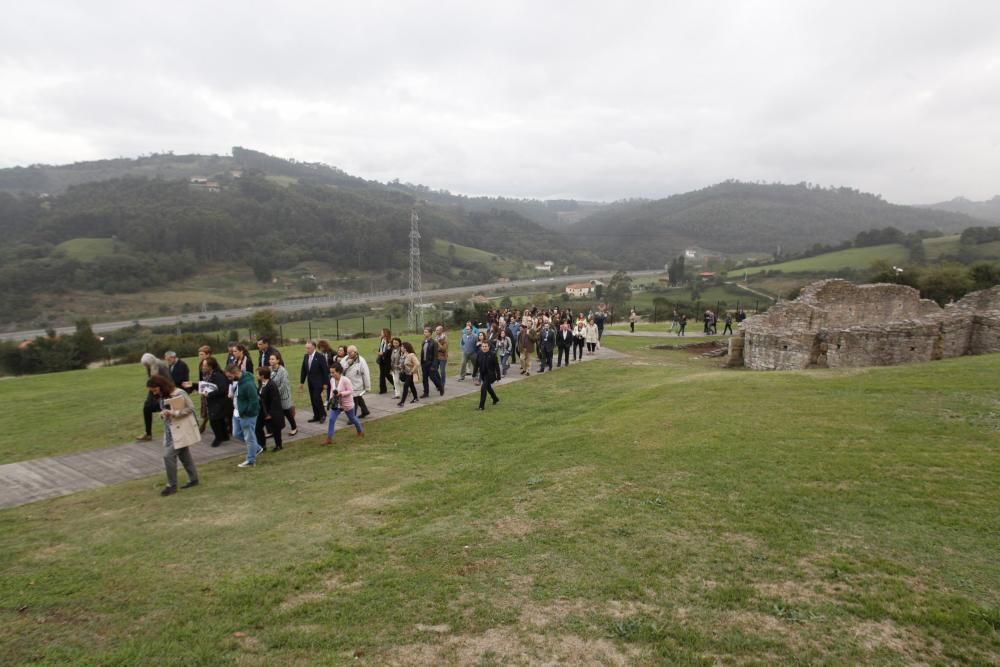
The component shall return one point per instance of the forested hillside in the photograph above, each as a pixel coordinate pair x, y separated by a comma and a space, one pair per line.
735, 217
157, 230
988, 210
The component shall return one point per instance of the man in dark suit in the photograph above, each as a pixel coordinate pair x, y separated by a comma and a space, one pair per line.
429, 363
546, 345
564, 341
264, 345
317, 372
489, 372
179, 371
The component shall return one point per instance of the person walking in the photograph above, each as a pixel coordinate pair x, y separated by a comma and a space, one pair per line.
246, 408
564, 341
316, 371
593, 336
279, 376
729, 324
527, 346
264, 346
579, 338
162, 389
384, 362
632, 319
469, 347
428, 363
356, 369
341, 400
217, 406
504, 347
410, 372
272, 415
489, 372
396, 365
153, 366
546, 346
682, 324
442, 355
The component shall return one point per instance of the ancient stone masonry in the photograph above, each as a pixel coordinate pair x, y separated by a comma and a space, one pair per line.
836, 324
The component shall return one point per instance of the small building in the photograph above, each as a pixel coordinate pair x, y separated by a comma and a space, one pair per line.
544, 267
706, 275
579, 289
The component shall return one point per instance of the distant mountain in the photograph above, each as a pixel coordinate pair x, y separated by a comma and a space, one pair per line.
988, 210
735, 217
127, 233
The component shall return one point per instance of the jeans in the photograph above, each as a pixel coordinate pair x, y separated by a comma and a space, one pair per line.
245, 430
442, 367
467, 358
351, 417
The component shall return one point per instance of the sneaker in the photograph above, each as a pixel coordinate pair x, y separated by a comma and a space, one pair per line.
294, 431
260, 450
246, 464
144, 438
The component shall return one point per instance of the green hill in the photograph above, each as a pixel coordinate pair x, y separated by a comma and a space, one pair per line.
734, 217
853, 258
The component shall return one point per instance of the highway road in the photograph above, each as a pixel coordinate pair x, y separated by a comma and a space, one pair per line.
290, 306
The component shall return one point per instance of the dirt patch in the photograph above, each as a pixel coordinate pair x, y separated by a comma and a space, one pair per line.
534, 615
511, 526
797, 592
442, 628
504, 646
887, 634
326, 586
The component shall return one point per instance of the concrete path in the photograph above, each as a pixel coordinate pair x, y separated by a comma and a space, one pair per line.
660, 334
29, 481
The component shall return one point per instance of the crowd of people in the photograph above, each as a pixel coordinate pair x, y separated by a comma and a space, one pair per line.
254, 407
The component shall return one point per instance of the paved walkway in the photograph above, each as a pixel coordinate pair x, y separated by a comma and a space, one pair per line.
29, 481
661, 334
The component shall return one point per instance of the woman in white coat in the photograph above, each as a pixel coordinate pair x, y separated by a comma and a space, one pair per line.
592, 336
356, 370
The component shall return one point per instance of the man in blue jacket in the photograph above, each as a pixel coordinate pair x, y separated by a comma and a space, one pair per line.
468, 344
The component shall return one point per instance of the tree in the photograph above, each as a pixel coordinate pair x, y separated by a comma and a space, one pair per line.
263, 324
619, 289
506, 302
675, 272
88, 346
261, 271
945, 283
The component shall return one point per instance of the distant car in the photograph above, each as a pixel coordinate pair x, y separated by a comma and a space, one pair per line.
551, 278
532, 280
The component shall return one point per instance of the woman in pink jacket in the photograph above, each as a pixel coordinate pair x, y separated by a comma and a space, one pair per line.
341, 400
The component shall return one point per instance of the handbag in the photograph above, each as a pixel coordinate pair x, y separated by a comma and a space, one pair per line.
334, 402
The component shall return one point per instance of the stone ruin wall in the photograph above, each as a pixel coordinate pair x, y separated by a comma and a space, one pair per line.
836, 324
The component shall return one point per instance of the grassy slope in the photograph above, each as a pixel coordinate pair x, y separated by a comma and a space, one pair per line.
853, 258
86, 249
741, 519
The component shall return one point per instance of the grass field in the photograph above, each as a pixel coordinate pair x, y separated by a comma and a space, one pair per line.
86, 250
853, 258
656, 510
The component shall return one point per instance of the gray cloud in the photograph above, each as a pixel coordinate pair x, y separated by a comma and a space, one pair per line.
590, 100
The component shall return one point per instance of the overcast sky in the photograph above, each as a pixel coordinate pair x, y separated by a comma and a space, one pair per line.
591, 100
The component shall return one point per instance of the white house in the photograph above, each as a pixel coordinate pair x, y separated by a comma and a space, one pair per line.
579, 289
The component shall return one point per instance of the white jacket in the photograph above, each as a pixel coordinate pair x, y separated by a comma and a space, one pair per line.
357, 372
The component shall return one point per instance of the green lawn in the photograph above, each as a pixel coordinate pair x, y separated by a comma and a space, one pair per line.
653, 510
853, 258
85, 249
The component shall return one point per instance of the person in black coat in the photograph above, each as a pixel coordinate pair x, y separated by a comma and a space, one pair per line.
316, 370
179, 371
564, 341
272, 416
429, 363
264, 345
489, 372
546, 345
219, 407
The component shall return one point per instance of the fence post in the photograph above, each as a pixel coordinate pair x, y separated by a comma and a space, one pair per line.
310, 330
363, 326
281, 334
390, 323
338, 328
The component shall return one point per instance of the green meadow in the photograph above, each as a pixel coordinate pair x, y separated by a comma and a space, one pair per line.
650, 510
